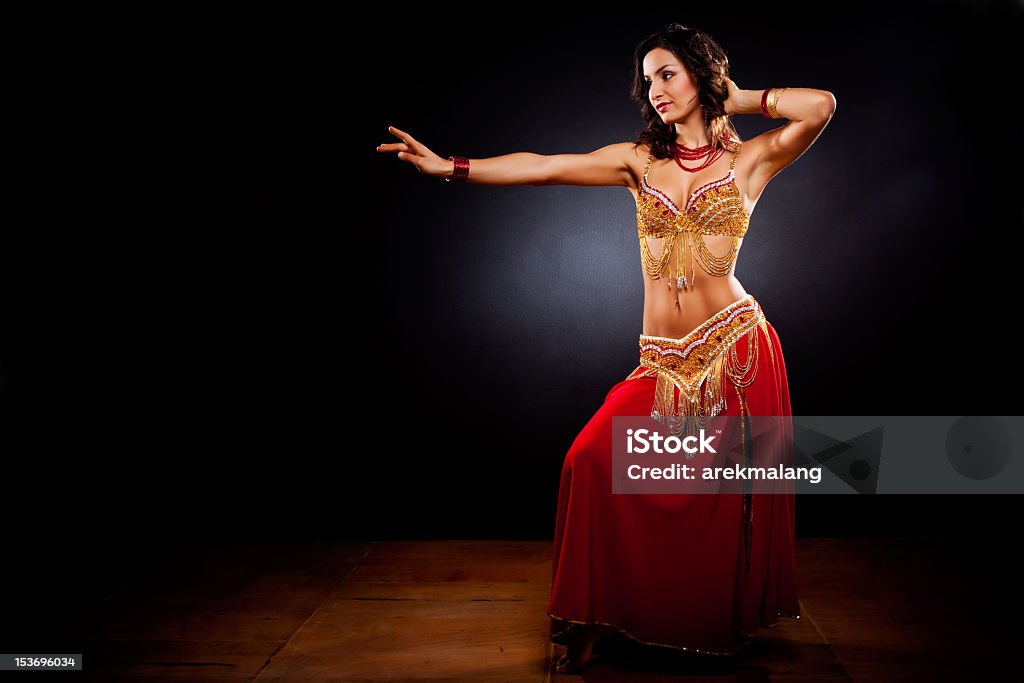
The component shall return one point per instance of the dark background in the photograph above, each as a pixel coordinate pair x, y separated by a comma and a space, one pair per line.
226, 315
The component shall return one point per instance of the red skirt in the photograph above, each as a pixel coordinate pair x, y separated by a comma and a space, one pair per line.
694, 572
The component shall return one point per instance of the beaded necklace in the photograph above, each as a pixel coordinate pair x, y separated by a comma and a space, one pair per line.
683, 153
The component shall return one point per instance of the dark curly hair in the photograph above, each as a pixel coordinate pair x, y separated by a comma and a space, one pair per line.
708, 65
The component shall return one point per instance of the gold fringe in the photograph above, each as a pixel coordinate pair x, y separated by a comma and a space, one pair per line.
692, 371
688, 413
717, 265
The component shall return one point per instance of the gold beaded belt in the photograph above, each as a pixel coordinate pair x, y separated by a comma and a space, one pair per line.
698, 364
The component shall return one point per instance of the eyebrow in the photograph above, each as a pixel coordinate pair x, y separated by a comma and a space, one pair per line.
660, 69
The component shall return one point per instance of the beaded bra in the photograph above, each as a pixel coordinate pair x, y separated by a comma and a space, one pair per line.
715, 208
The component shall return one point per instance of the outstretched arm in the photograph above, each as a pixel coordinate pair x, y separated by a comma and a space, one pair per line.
606, 166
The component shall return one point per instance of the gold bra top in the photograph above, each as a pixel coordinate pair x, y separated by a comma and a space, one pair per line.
715, 208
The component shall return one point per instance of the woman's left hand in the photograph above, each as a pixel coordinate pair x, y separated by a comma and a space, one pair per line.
730, 101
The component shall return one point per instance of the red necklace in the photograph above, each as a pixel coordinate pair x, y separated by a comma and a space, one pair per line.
681, 153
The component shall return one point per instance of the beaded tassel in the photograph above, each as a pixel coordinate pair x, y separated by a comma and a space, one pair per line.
688, 411
682, 412
743, 374
692, 371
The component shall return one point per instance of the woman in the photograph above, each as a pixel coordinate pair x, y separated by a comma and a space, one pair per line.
729, 565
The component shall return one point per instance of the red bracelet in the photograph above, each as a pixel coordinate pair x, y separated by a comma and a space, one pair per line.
764, 100
461, 171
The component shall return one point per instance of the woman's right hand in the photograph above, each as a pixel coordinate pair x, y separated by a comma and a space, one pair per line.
418, 154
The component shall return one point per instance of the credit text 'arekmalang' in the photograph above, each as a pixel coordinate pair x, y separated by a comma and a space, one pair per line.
644, 441
689, 472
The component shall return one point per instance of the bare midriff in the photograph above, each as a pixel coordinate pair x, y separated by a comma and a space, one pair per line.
708, 295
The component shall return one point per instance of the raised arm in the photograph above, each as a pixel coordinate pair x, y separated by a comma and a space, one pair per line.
808, 111
606, 166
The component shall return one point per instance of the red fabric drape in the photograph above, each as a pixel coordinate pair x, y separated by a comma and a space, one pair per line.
672, 569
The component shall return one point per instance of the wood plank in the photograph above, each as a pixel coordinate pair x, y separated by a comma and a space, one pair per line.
211, 611
474, 610
918, 609
459, 631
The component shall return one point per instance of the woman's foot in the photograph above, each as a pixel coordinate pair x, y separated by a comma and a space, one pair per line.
580, 651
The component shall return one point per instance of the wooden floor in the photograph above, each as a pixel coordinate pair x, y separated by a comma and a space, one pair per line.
874, 610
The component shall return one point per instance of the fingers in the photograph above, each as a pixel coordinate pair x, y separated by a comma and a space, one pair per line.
393, 147
407, 150
403, 136
404, 146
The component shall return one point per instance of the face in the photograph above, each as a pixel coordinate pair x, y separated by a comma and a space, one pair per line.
669, 83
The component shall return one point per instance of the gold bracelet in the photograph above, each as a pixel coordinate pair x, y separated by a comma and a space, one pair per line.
773, 100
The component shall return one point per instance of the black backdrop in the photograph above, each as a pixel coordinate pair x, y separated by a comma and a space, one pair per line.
227, 315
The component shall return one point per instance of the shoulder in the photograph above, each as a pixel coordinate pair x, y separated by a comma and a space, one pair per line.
628, 151
638, 152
